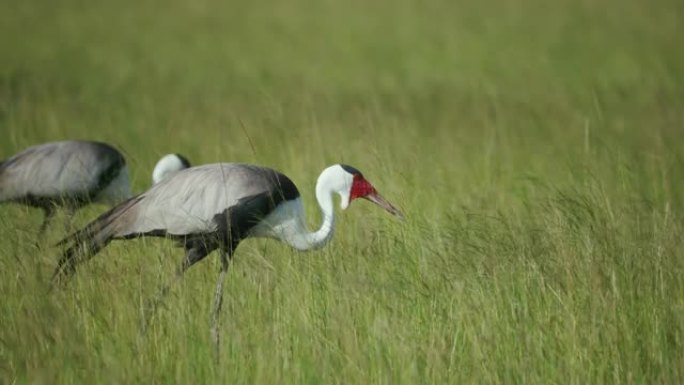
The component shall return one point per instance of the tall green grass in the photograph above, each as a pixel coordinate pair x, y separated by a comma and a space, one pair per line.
535, 147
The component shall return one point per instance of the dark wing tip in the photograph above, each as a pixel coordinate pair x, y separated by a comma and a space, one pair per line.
184, 161
350, 169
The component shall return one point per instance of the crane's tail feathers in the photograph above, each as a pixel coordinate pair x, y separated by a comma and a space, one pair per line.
102, 222
66, 266
87, 242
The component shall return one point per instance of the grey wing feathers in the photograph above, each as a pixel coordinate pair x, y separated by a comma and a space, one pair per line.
91, 239
106, 226
222, 199
51, 170
188, 202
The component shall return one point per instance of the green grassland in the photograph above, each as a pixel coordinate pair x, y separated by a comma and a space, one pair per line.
536, 148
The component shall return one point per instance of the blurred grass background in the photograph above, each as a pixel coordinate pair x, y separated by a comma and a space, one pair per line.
536, 148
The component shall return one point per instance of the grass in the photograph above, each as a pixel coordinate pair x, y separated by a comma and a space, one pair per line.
535, 147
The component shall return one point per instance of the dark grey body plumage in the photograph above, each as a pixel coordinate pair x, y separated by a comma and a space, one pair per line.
69, 174
202, 208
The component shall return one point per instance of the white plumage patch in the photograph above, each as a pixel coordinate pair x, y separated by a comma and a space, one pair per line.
167, 165
285, 222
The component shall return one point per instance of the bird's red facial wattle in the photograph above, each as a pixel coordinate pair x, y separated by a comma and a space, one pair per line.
361, 188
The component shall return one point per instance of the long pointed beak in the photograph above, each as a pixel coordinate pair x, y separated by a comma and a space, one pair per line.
376, 198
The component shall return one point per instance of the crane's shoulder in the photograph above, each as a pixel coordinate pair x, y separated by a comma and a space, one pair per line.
242, 179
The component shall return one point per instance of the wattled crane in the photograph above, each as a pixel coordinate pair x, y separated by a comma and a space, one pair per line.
216, 206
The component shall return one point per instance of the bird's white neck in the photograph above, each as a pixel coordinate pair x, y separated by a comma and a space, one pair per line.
287, 222
319, 238
293, 229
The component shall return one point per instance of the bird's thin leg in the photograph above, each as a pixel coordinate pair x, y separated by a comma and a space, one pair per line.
218, 301
49, 214
192, 256
68, 218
